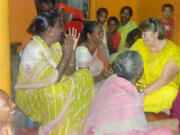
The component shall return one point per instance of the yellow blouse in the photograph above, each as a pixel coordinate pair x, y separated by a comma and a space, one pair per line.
155, 62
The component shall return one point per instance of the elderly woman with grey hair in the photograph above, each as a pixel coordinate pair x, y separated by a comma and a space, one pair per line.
161, 59
117, 107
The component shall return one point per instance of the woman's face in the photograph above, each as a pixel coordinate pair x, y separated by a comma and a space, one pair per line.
6, 109
125, 16
57, 30
149, 38
97, 35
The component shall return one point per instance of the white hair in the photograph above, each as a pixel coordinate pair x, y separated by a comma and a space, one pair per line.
127, 64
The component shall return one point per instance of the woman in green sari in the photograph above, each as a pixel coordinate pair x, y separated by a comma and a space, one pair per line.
48, 90
125, 25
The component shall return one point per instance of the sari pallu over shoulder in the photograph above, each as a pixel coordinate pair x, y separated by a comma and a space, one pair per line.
123, 31
38, 65
116, 110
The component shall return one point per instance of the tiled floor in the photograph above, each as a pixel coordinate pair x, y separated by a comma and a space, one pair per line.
20, 125
162, 120
151, 117
158, 116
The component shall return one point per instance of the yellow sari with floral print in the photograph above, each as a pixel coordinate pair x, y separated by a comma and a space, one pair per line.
60, 107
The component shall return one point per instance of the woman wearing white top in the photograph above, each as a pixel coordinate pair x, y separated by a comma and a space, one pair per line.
87, 52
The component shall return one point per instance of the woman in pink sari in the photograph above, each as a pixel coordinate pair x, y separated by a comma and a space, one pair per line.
117, 108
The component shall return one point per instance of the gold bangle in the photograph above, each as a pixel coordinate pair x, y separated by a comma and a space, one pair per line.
62, 64
71, 64
142, 91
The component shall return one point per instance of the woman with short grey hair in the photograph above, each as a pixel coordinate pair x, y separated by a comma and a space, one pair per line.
128, 64
154, 25
161, 58
117, 107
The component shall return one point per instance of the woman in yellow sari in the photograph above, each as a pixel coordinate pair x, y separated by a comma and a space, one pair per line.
161, 58
44, 93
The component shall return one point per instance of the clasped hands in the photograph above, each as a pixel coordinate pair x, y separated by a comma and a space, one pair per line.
107, 72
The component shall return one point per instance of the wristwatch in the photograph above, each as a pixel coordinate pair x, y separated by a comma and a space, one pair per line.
142, 91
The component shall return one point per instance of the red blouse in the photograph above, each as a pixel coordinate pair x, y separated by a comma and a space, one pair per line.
115, 39
168, 27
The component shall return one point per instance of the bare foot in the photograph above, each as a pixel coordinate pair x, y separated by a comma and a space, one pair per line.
166, 111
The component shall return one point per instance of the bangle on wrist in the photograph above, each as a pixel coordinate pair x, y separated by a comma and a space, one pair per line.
71, 64
62, 64
66, 57
142, 91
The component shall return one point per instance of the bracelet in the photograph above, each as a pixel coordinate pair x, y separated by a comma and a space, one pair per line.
71, 64
62, 64
142, 91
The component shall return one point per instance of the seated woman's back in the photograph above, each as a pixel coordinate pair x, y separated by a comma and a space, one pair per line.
117, 108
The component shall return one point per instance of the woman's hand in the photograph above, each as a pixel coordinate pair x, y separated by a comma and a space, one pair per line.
107, 72
169, 71
75, 37
70, 42
68, 50
142, 95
